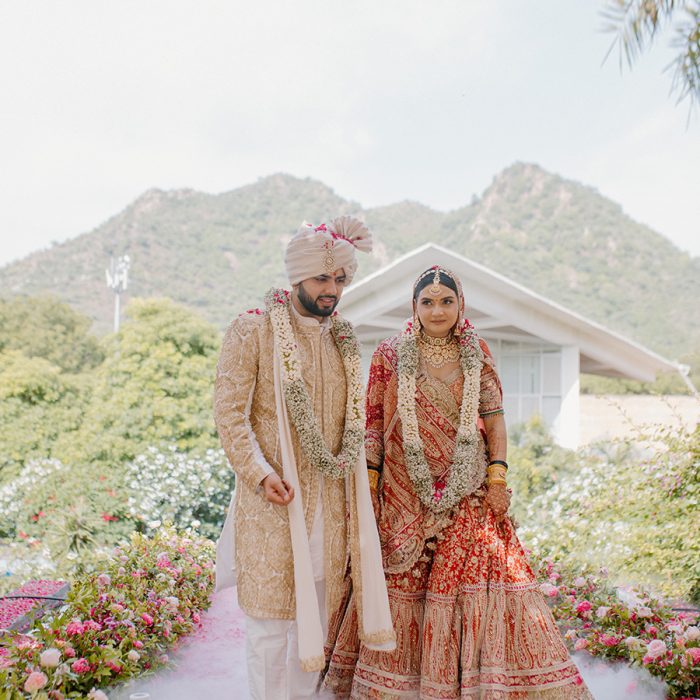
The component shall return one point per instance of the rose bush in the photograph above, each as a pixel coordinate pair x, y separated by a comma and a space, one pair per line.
115, 624
624, 625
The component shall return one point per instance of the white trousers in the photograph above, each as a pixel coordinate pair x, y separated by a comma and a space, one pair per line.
272, 651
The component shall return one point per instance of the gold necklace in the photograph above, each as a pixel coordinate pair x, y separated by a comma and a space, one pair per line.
437, 352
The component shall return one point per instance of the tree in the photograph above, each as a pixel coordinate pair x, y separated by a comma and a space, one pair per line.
638, 23
46, 327
40, 406
154, 387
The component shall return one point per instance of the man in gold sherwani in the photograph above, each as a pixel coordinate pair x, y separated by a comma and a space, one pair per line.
252, 421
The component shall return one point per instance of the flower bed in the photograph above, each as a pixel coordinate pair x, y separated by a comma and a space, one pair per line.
13, 611
115, 624
625, 625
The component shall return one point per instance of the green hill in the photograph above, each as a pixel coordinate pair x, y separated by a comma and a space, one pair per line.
218, 253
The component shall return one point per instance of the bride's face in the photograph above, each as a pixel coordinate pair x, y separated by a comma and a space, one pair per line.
437, 313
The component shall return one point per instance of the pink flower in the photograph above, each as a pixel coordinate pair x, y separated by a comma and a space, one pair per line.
584, 608
643, 611
35, 681
549, 590
74, 628
113, 666
602, 611
147, 619
694, 654
103, 580
133, 656
69, 652
609, 640
138, 644
655, 649
581, 644
81, 665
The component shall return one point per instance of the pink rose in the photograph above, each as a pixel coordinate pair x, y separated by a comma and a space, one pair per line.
138, 644
103, 580
69, 652
74, 628
584, 609
35, 681
609, 640
549, 590
655, 649
581, 644
147, 619
694, 654
579, 581
81, 665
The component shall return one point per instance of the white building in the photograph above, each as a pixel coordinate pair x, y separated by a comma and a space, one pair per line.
539, 346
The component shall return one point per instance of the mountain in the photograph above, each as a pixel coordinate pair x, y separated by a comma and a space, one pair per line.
218, 253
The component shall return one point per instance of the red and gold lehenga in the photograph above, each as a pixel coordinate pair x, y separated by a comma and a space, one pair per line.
470, 619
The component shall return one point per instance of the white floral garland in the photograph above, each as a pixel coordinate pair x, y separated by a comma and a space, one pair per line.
296, 396
468, 469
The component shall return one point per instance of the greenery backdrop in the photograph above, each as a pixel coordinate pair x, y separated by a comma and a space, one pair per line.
118, 437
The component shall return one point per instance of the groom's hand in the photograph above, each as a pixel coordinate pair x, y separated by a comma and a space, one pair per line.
277, 490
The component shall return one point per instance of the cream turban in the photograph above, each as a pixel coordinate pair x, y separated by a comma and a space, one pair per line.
320, 250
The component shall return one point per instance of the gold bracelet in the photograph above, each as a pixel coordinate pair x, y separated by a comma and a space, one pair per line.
496, 481
496, 472
373, 476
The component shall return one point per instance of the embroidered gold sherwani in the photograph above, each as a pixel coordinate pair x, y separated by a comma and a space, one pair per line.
245, 415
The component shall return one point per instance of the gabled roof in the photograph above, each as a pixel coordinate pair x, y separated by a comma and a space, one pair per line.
499, 308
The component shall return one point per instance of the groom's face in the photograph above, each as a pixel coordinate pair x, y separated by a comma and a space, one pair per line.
320, 295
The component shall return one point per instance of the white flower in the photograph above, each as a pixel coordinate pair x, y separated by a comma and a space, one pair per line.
50, 658
643, 611
96, 694
133, 655
579, 581
602, 611
692, 634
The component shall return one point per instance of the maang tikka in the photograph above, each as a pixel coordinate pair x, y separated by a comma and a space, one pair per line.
434, 288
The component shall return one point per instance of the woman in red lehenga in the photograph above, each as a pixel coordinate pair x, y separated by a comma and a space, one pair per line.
470, 619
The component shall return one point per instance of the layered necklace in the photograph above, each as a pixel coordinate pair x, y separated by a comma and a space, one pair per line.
437, 352
467, 470
277, 302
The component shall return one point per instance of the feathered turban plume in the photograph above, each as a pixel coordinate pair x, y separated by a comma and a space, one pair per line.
323, 249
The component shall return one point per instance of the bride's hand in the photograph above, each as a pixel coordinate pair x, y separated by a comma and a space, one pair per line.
498, 500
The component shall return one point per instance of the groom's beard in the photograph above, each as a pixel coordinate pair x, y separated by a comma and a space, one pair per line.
311, 305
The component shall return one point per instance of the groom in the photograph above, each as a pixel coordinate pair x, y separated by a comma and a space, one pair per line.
289, 409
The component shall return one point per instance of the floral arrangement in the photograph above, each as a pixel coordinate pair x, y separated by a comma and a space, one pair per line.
468, 469
625, 625
115, 624
296, 396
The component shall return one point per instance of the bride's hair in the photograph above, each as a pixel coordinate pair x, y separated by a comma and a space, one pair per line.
427, 278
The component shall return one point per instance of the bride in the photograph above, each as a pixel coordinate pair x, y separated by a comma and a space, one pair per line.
469, 617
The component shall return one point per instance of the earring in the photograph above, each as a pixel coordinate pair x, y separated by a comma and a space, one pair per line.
416, 325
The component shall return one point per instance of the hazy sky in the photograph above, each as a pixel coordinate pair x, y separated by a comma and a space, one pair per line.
383, 100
